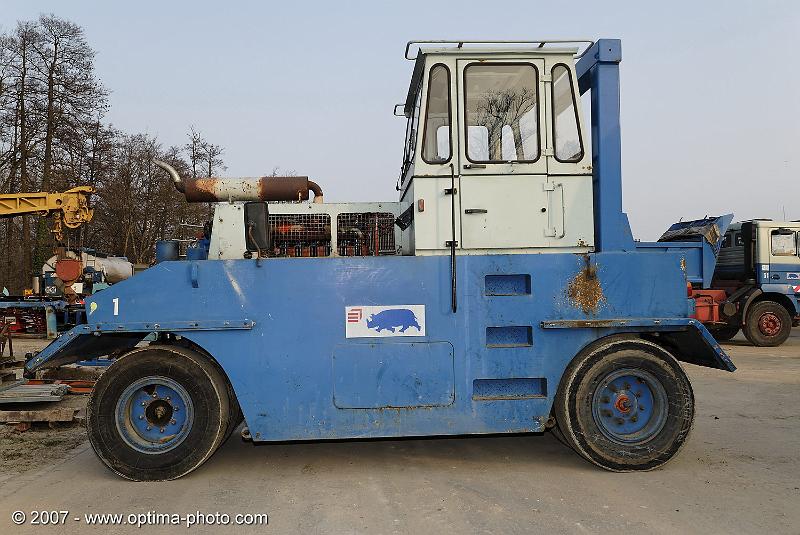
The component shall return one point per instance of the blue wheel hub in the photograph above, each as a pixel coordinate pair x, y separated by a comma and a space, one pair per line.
630, 406
154, 414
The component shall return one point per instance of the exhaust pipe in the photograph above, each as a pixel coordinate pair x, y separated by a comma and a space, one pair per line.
176, 178
268, 188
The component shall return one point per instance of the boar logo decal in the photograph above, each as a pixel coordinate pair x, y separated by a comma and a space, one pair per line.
392, 319
371, 321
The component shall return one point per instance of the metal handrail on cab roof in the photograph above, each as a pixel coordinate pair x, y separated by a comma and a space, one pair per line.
461, 42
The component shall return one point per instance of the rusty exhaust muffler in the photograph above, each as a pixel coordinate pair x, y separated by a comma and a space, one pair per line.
267, 188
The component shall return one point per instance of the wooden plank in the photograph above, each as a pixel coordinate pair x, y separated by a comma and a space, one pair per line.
11, 384
33, 393
29, 399
44, 415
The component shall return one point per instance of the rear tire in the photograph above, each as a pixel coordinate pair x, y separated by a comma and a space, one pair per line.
158, 413
723, 334
625, 405
768, 324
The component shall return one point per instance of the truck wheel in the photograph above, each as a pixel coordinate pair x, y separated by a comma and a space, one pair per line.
768, 324
723, 334
158, 413
625, 405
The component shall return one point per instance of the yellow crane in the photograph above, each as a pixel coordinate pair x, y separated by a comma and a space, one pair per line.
69, 208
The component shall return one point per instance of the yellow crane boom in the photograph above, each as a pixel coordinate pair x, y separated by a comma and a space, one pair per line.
69, 208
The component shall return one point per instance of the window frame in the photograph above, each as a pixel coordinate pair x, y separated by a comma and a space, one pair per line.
410, 149
449, 115
538, 111
574, 108
796, 242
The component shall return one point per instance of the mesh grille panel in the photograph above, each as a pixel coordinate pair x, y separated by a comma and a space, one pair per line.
300, 234
365, 234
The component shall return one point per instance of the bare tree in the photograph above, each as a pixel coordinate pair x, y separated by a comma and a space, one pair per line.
52, 137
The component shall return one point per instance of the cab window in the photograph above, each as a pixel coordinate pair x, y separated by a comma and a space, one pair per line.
501, 108
436, 144
567, 142
411, 137
783, 242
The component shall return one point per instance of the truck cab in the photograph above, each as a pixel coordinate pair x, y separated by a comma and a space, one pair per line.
759, 270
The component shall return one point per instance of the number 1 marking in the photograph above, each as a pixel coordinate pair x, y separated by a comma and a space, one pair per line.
116, 305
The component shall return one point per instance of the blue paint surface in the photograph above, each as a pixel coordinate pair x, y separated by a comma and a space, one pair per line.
779, 278
393, 375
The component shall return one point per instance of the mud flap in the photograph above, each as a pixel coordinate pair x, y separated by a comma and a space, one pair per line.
696, 345
79, 344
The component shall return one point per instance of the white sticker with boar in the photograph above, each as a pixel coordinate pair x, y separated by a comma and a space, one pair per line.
380, 321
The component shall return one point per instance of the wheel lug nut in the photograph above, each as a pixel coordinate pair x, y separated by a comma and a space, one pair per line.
162, 429
141, 417
172, 422
627, 386
634, 418
149, 428
144, 404
638, 394
167, 398
620, 421
641, 407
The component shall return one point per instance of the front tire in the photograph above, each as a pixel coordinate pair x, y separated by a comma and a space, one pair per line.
158, 413
625, 405
768, 324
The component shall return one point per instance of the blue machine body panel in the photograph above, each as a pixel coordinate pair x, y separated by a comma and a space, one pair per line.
279, 332
382, 375
700, 254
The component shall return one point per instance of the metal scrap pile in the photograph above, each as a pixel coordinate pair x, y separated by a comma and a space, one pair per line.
25, 320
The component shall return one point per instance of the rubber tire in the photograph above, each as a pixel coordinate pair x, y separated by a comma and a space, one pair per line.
752, 332
723, 334
206, 386
573, 410
236, 415
235, 411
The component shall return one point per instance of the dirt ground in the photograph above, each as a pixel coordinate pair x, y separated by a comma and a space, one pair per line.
739, 473
43, 444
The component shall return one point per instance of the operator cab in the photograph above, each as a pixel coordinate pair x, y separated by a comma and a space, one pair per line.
497, 160
500, 130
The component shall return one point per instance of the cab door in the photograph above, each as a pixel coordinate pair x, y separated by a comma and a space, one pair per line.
504, 195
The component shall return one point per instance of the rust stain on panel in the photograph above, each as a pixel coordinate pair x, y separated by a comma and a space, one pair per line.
584, 290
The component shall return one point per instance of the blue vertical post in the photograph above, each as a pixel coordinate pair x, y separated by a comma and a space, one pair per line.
598, 70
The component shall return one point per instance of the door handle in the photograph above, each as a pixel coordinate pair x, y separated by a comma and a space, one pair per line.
476, 211
776, 276
474, 166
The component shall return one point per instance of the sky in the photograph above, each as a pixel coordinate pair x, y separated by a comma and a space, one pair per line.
710, 116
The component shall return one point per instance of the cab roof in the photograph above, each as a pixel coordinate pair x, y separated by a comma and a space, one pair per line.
472, 48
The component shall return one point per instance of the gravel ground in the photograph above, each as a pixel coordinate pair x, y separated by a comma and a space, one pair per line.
739, 473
